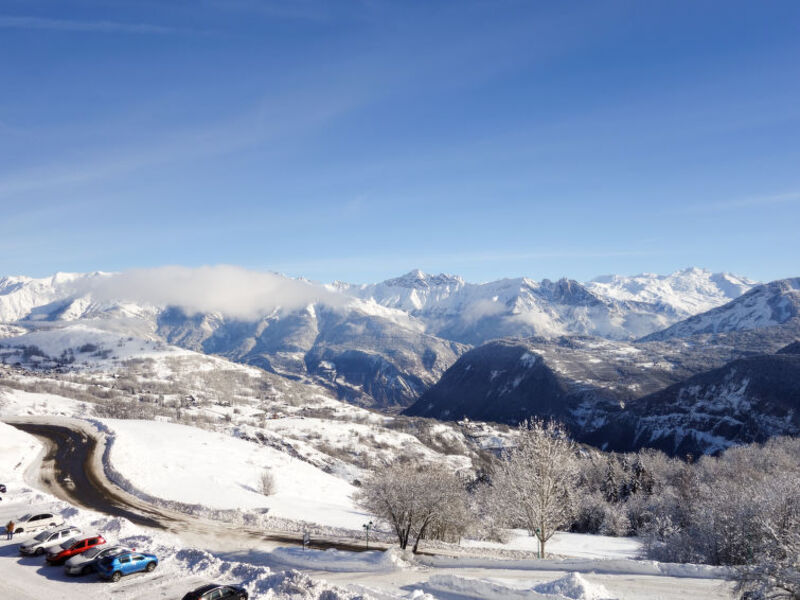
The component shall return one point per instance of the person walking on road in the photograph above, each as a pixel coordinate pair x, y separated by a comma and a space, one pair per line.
10, 530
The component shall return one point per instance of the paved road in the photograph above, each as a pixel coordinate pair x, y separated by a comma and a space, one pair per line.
69, 470
66, 473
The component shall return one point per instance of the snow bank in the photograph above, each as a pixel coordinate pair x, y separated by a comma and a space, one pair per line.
17, 451
575, 587
569, 587
343, 561
609, 567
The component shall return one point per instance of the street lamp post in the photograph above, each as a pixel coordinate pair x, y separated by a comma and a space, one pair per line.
367, 527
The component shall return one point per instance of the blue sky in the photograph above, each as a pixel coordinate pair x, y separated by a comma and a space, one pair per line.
358, 140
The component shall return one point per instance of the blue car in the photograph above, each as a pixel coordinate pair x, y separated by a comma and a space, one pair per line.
114, 567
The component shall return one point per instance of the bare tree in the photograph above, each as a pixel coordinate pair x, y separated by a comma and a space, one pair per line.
267, 482
415, 501
535, 483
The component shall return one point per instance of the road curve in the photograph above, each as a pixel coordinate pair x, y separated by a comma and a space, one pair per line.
71, 469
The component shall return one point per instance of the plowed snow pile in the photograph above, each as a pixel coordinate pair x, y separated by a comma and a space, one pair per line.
575, 587
569, 587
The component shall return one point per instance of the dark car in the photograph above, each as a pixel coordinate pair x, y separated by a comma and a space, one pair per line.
214, 591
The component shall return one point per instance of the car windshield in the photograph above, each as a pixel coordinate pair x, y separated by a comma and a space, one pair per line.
43, 536
25, 517
68, 543
92, 552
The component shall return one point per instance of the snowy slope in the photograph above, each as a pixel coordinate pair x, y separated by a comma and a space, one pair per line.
689, 291
198, 467
767, 305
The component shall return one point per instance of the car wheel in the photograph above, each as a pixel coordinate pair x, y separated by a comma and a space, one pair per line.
52, 524
39, 551
150, 566
19, 530
116, 576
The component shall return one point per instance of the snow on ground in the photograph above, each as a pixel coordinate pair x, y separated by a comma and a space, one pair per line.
568, 544
81, 346
198, 467
14, 403
381, 444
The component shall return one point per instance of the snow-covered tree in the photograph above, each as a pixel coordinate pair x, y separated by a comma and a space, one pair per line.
775, 569
612, 482
415, 501
535, 484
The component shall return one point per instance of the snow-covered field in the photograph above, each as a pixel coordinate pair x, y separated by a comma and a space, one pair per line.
197, 467
568, 544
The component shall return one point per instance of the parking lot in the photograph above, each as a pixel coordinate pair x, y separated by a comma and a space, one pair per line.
31, 578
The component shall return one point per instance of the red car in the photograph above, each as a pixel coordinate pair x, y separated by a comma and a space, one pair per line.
59, 554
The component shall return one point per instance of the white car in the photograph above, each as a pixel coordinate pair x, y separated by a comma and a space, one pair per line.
47, 539
35, 522
81, 564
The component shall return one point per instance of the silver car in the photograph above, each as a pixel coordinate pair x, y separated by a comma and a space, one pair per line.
35, 522
82, 564
47, 539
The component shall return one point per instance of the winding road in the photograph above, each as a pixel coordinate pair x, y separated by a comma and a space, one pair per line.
71, 469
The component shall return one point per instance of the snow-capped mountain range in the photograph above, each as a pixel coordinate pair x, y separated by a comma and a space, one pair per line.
613, 307
382, 344
590, 354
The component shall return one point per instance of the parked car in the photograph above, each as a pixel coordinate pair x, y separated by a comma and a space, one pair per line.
58, 554
35, 522
114, 567
47, 539
84, 563
214, 591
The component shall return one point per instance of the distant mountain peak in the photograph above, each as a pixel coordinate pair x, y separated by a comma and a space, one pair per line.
419, 279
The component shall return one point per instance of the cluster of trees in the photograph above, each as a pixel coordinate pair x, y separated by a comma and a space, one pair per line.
740, 509
532, 488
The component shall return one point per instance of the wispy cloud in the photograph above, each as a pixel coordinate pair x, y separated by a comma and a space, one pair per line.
12, 22
263, 122
751, 202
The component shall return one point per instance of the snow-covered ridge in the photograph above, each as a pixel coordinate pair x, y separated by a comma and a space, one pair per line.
615, 307
762, 306
689, 291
